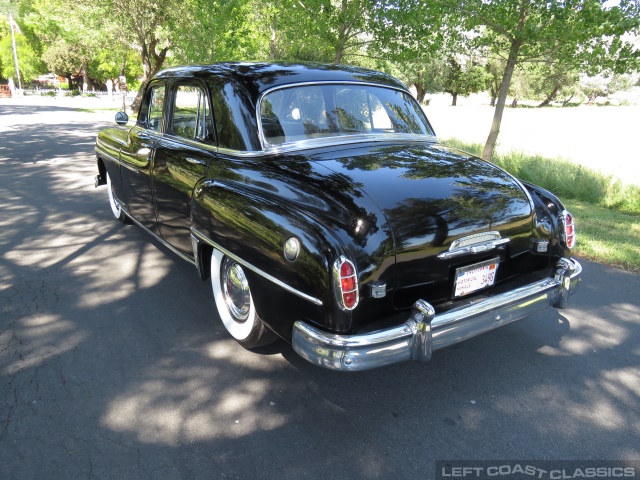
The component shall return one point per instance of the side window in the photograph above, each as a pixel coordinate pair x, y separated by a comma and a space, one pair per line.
191, 116
151, 110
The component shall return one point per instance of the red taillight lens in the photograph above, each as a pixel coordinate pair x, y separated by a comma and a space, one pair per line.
346, 284
569, 230
346, 269
349, 299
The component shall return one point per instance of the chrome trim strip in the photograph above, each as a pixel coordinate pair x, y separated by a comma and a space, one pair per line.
129, 167
160, 239
101, 152
424, 332
474, 239
474, 248
195, 232
329, 142
178, 140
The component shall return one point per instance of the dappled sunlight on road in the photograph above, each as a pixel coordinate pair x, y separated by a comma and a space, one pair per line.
111, 350
587, 338
187, 404
48, 336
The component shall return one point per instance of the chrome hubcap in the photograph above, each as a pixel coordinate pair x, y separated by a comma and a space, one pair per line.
235, 290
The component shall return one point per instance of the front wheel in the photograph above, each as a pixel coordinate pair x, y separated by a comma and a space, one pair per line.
116, 209
232, 295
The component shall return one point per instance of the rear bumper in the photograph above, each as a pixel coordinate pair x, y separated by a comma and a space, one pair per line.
424, 331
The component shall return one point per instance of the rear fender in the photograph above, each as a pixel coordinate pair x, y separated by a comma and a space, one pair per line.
253, 228
548, 208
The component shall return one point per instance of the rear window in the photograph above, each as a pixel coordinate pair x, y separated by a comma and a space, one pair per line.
316, 111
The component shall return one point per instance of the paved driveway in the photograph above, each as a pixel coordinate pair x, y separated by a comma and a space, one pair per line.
113, 363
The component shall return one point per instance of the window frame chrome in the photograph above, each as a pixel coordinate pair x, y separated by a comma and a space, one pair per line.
337, 140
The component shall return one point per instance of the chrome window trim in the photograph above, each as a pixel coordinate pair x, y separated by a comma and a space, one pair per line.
309, 144
201, 236
177, 139
267, 147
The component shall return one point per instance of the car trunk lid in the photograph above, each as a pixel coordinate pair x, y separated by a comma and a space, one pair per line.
437, 201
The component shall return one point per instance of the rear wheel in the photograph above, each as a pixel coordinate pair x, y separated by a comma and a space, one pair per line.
232, 295
116, 209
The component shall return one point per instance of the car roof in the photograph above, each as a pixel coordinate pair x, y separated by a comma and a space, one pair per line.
262, 76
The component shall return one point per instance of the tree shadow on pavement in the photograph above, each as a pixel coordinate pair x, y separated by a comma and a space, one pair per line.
114, 364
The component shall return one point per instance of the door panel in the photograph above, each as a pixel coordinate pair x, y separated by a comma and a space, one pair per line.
181, 159
138, 155
137, 161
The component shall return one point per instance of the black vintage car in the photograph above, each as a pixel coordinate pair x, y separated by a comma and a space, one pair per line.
324, 210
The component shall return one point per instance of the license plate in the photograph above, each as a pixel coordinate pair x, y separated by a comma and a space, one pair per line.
475, 277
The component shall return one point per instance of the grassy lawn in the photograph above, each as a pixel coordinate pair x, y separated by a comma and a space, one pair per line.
607, 210
606, 235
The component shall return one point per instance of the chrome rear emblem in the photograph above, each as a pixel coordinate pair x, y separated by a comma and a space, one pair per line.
477, 243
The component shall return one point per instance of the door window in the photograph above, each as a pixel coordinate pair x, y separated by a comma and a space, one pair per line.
151, 110
191, 116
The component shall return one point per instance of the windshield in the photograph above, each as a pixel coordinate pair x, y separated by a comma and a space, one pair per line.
317, 111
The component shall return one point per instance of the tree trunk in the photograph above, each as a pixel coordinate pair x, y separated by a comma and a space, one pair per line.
70, 81
272, 42
490, 146
514, 102
151, 64
454, 99
420, 94
83, 72
272, 39
550, 98
494, 94
566, 101
343, 35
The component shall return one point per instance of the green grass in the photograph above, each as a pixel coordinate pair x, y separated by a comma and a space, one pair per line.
607, 236
607, 211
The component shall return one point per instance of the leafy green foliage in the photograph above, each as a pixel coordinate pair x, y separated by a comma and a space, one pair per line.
464, 79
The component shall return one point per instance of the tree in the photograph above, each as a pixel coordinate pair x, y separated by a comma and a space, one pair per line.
589, 34
27, 47
604, 85
225, 30
576, 32
463, 79
73, 37
152, 26
548, 80
341, 24
494, 68
426, 75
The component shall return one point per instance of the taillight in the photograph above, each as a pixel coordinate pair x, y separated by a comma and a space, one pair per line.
569, 236
345, 283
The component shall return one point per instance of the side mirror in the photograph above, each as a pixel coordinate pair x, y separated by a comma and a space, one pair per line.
122, 118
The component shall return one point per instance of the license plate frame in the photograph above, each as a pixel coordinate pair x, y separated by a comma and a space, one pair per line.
475, 277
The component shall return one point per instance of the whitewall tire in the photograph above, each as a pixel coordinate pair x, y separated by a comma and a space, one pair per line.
116, 209
234, 302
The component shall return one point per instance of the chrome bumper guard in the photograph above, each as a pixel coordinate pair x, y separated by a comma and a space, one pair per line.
425, 331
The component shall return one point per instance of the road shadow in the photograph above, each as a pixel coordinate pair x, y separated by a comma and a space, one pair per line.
10, 109
114, 364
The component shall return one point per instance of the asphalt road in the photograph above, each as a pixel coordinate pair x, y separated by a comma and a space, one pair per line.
113, 363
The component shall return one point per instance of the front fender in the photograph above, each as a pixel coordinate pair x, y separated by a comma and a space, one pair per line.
109, 142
